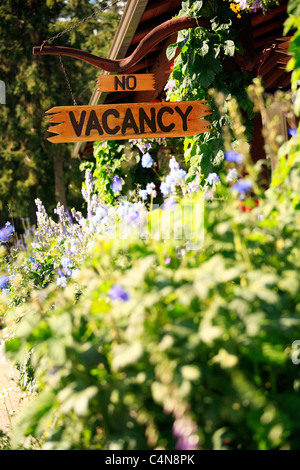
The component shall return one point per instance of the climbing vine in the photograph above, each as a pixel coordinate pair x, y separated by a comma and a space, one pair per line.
206, 61
206, 65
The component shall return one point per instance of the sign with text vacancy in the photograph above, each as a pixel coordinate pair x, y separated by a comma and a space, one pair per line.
111, 83
128, 121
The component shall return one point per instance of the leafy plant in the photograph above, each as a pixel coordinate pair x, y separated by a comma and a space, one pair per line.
203, 63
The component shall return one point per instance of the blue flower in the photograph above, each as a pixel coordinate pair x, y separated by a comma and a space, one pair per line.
118, 292
3, 282
100, 212
147, 160
179, 174
143, 194
116, 185
31, 259
242, 186
233, 156
213, 178
61, 281
292, 132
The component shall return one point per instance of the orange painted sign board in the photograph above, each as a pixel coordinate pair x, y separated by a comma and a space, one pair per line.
128, 121
111, 83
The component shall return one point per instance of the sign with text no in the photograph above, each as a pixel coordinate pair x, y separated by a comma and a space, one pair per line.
128, 121
111, 83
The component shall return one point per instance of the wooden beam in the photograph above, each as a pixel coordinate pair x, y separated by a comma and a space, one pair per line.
161, 72
155, 36
159, 7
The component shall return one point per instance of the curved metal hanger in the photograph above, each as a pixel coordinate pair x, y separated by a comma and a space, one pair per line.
155, 36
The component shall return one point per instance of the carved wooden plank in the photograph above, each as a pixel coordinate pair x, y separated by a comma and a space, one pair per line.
126, 82
128, 121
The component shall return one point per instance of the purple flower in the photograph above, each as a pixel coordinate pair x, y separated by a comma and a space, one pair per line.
233, 156
3, 282
66, 272
257, 4
118, 292
242, 186
188, 442
168, 260
6, 232
213, 178
65, 261
147, 160
185, 431
170, 85
131, 215
116, 185
232, 175
37, 266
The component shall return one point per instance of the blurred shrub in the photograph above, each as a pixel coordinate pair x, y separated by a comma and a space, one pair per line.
190, 350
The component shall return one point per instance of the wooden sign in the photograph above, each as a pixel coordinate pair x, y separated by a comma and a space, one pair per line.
128, 121
127, 82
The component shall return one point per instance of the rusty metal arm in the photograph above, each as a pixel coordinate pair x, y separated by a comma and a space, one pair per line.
155, 36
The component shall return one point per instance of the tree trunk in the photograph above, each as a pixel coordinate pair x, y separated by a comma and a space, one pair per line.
59, 182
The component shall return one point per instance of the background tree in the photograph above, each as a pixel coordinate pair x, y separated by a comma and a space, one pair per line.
30, 166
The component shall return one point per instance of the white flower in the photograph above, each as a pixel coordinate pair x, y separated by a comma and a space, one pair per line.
3, 394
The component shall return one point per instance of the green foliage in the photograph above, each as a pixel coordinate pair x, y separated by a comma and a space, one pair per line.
204, 62
123, 158
293, 24
207, 336
30, 165
109, 156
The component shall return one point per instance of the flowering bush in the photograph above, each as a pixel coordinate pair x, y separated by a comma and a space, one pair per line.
140, 339
164, 346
